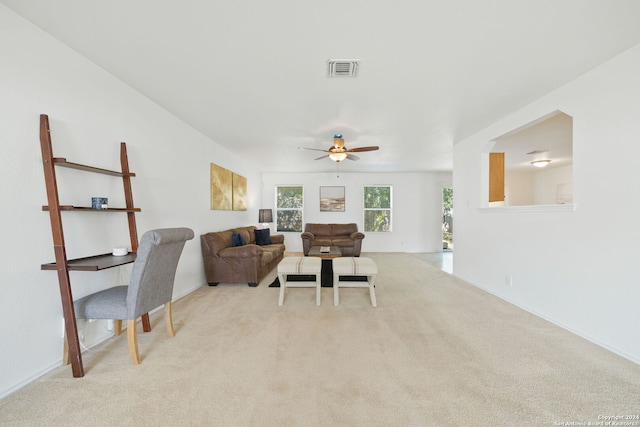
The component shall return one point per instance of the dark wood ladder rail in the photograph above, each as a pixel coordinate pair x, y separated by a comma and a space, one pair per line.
92, 263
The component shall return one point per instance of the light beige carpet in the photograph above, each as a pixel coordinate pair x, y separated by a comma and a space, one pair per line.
435, 352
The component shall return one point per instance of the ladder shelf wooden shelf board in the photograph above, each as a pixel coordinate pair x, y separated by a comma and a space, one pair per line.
61, 161
91, 263
87, 208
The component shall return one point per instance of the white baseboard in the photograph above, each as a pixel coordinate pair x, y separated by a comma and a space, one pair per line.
26, 381
555, 322
56, 364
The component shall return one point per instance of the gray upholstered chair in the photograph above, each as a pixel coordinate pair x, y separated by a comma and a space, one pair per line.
150, 286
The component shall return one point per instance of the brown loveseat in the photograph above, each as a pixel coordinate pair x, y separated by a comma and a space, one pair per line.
250, 263
344, 236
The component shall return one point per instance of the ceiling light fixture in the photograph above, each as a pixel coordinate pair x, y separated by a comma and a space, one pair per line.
540, 163
337, 157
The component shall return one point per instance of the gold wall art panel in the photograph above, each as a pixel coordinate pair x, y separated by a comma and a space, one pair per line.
239, 192
228, 190
221, 188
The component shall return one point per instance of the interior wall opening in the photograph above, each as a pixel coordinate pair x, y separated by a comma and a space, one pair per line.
533, 164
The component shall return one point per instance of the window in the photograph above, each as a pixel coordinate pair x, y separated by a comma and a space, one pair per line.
289, 201
377, 208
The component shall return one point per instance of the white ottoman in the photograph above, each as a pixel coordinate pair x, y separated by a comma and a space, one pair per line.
354, 267
299, 266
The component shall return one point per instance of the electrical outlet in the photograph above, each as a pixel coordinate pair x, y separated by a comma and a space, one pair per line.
109, 324
62, 330
508, 281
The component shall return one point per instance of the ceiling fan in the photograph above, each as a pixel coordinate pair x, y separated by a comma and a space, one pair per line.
338, 152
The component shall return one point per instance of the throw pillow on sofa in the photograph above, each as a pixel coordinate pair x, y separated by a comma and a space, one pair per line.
263, 236
238, 239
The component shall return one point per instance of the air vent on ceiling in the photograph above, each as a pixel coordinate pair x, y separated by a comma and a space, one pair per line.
343, 67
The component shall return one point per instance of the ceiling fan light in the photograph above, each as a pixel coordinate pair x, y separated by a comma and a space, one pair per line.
540, 163
337, 157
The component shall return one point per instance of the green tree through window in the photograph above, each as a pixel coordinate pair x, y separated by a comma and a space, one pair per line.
377, 208
447, 217
289, 203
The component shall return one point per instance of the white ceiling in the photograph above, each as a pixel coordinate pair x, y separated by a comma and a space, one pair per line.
547, 138
252, 75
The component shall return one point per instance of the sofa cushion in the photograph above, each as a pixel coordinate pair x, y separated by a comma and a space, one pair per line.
268, 256
263, 236
238, 239
318, 229
341, 242
343, 229
323, 241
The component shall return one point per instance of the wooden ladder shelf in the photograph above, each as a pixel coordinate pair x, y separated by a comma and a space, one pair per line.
92, 263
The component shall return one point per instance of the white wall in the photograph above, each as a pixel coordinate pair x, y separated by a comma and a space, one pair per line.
536, 188
577, 269
518, 189
546, 184
90, 113
416, 216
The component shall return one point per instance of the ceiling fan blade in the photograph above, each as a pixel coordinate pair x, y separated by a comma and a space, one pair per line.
313, 149
357, 149
322, 157
352, 157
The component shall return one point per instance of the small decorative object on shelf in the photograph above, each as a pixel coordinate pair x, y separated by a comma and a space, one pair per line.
324, 249
120, 251
99, 203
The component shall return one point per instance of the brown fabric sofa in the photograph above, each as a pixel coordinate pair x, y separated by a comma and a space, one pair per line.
344, 236
250, 263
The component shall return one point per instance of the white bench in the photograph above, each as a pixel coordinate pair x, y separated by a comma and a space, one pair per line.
305, 266
354, 267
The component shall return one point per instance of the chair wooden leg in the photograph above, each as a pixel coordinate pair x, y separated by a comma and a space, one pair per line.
168, 319
117, 327
132, 339
146, 323
66, 357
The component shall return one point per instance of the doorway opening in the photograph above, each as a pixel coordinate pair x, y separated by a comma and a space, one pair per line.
447, 219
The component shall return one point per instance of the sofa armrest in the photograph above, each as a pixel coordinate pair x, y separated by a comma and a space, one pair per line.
212, 244
357, 235
277, 238
246, 251
307, 238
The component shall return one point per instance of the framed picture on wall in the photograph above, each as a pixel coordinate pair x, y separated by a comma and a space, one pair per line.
332, 199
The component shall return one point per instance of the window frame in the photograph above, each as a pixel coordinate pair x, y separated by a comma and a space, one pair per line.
278, 208
389, 209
